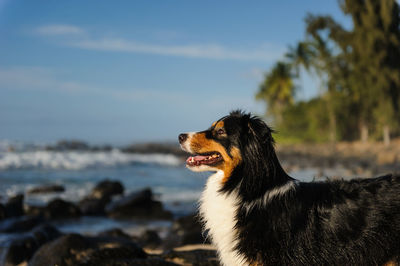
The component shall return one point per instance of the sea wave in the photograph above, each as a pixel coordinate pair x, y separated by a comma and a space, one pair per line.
73, 160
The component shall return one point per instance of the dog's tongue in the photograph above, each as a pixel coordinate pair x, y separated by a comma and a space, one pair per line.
196, 158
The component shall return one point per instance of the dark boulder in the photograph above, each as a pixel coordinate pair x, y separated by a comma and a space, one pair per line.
149, 239
61, 251
19, 224
107, 189
55, 209
101, 195
184, 231
74, 249
2, 212
15, 206
31, 210
21, 249
93, 207
46, 189
58, 209
138, 205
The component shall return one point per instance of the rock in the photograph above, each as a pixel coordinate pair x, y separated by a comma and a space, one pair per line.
100, 196
193, 255
19, 224
91, 206
184, 231
107, 189
65, 145
74, 249
14, 206
55, 209
46, 189
138, 205
58, 209
116, 232
2, 212
21, 249
31, 210
149, 239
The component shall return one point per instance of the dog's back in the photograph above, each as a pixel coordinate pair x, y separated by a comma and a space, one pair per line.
334, 223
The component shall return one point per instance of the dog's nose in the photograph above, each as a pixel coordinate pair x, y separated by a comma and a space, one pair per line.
183, 137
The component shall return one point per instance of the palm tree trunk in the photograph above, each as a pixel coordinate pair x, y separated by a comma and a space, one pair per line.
386, 135
364, 132
331, 117
279, 107
332, 123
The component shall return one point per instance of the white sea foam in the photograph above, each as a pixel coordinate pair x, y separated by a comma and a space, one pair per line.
72, 160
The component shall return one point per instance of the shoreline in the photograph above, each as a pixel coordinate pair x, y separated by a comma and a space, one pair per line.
364, 159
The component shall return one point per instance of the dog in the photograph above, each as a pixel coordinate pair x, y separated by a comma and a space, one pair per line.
256, 214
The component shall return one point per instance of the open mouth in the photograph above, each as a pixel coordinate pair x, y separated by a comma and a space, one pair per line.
201, 159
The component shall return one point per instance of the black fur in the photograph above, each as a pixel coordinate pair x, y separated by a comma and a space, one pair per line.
353, 222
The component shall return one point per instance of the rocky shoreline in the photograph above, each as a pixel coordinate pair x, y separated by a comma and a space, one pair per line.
33, 240
359, 159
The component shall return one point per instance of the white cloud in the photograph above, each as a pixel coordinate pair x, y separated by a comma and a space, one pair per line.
59, 30
195, 50
210, 51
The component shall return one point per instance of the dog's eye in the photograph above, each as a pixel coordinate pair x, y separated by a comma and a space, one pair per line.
220, 131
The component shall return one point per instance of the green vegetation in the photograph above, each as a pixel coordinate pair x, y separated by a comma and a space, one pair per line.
359, 74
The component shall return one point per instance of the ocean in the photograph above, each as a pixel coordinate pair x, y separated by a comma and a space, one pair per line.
79, 171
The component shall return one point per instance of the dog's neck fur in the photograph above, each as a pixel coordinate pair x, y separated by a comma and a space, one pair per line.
254, 177
220, 202
218, 212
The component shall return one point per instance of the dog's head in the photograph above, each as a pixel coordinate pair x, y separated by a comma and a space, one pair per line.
237, 141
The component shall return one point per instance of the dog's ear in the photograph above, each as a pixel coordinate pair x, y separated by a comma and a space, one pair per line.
259, 159
259, 130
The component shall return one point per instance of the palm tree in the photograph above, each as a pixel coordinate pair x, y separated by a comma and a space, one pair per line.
277, 89
300, 55
317, 58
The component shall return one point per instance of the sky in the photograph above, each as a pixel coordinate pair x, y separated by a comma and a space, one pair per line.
131, 71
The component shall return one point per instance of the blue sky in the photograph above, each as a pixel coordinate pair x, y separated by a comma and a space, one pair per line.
129, 71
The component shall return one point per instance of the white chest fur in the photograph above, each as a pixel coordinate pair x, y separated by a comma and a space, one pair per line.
218, 211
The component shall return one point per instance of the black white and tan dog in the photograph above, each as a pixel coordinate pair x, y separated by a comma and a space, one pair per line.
256, 214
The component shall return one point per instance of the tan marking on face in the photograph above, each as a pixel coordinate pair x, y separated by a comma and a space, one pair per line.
391, 263
219, 124
200, 144
231, 164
